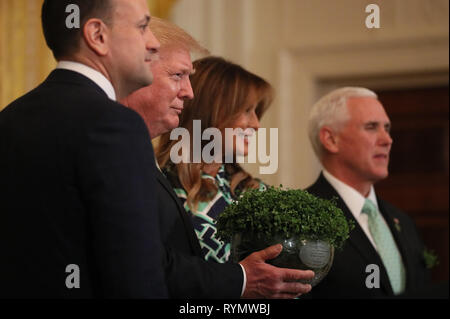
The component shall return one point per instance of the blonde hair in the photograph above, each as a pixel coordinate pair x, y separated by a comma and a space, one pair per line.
332, 110
222, 93
172, 36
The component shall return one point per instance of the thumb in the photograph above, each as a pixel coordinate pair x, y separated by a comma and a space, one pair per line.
271, 252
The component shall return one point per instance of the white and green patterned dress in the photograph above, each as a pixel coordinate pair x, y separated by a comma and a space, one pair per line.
204, 217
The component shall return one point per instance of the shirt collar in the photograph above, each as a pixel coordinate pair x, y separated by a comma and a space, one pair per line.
351, 197
91, 74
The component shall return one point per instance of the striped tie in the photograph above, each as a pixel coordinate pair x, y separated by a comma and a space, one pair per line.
386, 247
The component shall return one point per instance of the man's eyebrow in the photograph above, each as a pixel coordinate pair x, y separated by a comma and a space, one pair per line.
188, 71
377, 123
180, 69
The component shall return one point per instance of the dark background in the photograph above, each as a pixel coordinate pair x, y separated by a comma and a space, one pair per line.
418, 181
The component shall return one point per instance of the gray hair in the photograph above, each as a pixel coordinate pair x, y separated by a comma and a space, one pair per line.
331, 110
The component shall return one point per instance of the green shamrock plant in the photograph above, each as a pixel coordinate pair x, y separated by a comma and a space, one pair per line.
286, 213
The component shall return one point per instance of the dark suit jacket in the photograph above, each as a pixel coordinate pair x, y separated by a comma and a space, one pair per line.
347, 277
77, 187
188, 274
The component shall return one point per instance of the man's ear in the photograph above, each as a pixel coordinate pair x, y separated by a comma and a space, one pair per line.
329, 139
95, 34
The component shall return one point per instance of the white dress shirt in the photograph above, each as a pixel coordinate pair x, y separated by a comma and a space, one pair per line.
91, 74
354, 201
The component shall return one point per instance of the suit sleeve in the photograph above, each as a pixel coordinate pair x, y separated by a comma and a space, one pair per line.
118, 188
188, 274
193, 277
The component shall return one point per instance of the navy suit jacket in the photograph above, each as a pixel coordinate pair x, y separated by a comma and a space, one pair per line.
188, 274
77, 187
347, 277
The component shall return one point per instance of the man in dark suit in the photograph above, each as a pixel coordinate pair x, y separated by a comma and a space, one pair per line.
78, 198
349, 131
188, 274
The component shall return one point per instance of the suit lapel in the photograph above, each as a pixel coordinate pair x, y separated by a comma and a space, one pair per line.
358, 238
399, 237
360, 241
193, 240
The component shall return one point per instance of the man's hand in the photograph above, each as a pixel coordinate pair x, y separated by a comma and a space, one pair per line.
267, 281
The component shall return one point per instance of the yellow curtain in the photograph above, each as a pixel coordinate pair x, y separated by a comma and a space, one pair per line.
25, 60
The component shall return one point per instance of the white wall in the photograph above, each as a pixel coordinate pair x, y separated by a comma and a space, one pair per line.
308, 47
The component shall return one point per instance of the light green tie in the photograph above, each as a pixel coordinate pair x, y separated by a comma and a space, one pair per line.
386, 247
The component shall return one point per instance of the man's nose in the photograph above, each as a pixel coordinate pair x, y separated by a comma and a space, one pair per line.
152, 44
385, 138
186, 91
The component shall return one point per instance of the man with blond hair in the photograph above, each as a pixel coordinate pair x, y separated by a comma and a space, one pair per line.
350, 133
188, 274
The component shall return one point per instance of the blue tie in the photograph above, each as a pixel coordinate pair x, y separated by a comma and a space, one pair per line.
386, 247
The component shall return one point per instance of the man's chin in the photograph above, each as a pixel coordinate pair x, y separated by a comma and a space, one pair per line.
379, 176
145, 80
173, 124
148, 80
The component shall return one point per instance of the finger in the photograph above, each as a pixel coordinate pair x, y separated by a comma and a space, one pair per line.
271, 252
294, 275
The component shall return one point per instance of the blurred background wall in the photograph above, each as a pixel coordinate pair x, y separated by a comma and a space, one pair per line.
306, 48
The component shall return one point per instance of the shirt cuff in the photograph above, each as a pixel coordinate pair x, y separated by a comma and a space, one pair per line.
244, 284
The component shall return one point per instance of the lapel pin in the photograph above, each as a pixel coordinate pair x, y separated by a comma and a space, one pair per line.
397, 225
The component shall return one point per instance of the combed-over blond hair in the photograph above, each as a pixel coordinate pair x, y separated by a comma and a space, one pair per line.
172, 36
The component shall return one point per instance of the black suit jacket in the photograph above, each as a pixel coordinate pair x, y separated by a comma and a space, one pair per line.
188, 274
77, 187
347, 277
